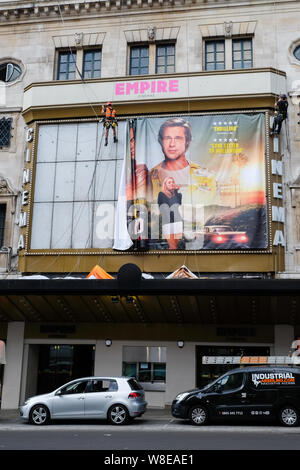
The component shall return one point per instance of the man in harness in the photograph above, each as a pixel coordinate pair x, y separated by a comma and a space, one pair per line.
280, 114
109, 121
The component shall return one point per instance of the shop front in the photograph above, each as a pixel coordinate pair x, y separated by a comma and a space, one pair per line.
191, 319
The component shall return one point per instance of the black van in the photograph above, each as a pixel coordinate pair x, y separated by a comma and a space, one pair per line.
244, 393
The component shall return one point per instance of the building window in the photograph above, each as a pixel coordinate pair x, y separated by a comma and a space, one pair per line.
66, 69
92, 63
296, 52
152, 58
9, 72
2, 223
242, 54
145, 371
5, 131
139, 60
147, 364
165, 58
215, 55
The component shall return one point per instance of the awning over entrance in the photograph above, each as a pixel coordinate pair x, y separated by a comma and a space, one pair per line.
125, 300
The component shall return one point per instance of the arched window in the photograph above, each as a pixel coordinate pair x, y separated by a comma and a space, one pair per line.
296, 52
9, 72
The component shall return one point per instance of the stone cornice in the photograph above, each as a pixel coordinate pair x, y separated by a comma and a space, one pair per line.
21, 11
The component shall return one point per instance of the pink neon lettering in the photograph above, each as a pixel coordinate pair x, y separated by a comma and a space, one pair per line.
132, 86
144, 86
173, 85
161, 86
119, 88
155, 86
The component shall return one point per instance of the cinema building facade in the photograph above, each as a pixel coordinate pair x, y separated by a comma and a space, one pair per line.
229, 286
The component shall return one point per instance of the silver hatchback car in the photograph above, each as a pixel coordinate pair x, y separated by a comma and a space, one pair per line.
117, 399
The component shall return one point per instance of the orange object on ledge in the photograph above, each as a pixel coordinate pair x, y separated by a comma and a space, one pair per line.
98, 273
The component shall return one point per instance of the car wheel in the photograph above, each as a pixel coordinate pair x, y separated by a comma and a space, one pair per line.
39, 415
289, 416
118, 415
198, 415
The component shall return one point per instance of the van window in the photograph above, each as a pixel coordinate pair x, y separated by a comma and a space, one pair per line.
230, 382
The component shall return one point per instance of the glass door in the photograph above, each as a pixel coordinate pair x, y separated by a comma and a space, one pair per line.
61, 363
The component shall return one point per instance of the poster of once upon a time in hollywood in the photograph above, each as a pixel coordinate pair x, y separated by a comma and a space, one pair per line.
197, 182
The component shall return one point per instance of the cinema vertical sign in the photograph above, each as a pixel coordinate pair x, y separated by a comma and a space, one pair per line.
278, 213
25, 193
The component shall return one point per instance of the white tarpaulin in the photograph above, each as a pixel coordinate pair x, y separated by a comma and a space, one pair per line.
122, 240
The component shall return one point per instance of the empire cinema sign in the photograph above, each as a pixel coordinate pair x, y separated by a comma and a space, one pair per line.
146, 87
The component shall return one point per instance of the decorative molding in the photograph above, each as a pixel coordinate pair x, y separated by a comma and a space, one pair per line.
78, 40
151, 34
228, 29
10, 109
6, 188
15, 12
228, 26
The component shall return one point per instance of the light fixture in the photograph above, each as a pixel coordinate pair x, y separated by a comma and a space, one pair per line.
108, 342
180, 343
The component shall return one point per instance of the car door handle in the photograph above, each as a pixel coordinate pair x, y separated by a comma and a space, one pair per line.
108, 396
81, 398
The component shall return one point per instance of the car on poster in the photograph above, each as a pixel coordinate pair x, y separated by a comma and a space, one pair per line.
222, 235
116, 399
240, 394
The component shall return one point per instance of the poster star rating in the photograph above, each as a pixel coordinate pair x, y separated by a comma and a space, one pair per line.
225, 145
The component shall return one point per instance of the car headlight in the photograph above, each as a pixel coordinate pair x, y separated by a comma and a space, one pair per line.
181, 396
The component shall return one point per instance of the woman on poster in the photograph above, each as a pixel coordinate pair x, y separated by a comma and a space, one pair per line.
169, 201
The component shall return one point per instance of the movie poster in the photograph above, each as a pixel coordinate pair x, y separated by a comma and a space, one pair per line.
195, 183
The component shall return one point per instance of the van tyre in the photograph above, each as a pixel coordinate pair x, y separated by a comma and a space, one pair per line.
118, 415
39, 415
198, 415
289, 416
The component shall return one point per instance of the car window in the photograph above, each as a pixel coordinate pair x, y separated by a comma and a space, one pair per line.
102, 385
134, 385
230, 382
113, 386
77, 387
